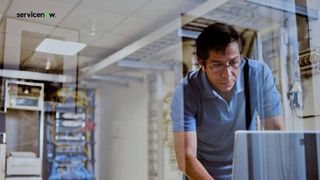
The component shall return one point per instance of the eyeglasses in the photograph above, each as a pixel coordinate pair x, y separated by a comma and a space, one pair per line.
218, 67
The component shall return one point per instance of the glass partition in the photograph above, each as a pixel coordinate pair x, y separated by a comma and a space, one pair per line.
106, 111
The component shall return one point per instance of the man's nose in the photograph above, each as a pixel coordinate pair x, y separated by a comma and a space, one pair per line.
226, 73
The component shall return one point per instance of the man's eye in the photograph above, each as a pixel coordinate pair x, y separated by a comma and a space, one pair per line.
234, 63
216, 65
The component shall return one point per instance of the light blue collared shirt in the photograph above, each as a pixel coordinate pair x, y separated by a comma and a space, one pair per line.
197, 107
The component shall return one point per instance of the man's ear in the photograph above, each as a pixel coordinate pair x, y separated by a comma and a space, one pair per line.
202, 64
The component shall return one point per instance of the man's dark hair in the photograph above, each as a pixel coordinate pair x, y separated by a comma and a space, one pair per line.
216, 37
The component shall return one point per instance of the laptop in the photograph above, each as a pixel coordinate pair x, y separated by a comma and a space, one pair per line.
276, 155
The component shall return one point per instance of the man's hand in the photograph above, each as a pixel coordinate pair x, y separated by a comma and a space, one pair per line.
186, 153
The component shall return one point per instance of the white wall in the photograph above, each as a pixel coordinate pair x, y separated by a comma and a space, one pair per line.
121, 134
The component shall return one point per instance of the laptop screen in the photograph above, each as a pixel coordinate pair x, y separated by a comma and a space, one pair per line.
276, 155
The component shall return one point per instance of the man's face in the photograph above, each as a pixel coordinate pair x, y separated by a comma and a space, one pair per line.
222, 68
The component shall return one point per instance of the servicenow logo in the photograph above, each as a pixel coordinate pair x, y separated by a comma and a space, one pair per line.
32, 14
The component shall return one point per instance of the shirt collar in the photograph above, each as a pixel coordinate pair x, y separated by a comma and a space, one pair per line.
206, 89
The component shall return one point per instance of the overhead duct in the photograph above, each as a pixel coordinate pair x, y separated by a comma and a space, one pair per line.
147, 66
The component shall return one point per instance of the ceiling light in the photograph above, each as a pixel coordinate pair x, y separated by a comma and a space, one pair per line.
48, 64
93, 27
92, 33
59, 47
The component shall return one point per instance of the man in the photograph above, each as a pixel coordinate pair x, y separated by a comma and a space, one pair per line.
209, 105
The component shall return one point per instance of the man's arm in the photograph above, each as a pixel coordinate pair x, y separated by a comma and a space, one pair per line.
274, 123
271, 99
186, 153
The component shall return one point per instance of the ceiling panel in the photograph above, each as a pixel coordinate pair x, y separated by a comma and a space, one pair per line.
105, 39
126, 7
85, 36
172, 9
113, 40
83, 17
68, 1
155, 47
136, 27
96, 52
36, 6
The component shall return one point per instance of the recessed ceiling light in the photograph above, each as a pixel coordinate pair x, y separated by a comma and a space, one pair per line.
59, 47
